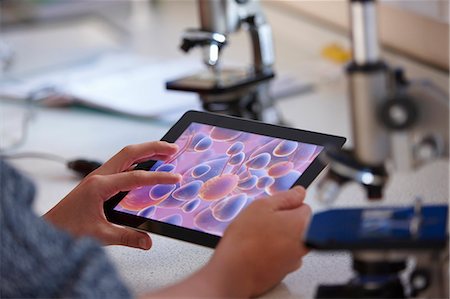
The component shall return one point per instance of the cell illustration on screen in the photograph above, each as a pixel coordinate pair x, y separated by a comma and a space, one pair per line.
223, 171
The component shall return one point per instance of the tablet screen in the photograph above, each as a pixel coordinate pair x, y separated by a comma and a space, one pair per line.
223, 171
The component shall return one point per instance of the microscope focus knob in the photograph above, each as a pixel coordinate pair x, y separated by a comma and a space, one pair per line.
419, 281
400, 77
196, 37
399, 113
187, 45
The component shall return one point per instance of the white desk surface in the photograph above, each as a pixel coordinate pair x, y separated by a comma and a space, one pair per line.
77, 132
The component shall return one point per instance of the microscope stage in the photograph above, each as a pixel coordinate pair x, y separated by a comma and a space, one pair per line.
379, 228
211, 83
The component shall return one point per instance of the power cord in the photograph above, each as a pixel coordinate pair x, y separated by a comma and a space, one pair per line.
82, 167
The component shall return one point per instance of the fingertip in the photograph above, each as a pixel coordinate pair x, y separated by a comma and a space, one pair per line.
176, 177
171, 145
300, 190
145, 243
298, 193
287, 200
164, 174
161, 177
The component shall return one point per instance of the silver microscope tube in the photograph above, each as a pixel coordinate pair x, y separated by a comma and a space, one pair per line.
221, 16
368, 86
364, 32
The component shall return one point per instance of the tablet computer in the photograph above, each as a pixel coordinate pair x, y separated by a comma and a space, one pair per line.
226, 163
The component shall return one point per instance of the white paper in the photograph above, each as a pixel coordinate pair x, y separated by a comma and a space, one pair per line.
127, 83
118, 82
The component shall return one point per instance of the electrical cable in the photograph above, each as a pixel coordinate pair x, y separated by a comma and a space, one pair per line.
34, 155
80, 166
24, 126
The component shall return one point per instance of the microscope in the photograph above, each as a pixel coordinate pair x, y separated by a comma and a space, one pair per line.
398, 124
239, 92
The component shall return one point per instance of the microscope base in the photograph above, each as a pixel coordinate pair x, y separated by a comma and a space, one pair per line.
388, 289
383, 242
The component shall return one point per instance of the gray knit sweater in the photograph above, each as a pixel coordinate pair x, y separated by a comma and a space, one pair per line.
38, 260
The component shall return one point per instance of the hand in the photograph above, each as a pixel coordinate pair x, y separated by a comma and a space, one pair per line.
263, 244
259, 248
81, 211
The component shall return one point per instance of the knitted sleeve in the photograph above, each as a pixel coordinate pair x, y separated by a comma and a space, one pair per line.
38, 260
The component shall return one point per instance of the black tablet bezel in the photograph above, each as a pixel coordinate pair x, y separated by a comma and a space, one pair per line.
250, 126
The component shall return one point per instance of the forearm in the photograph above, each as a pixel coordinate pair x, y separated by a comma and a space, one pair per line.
61, 221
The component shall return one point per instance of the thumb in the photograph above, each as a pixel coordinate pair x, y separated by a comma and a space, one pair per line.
288, 200
116, 235
298, 220
300, 215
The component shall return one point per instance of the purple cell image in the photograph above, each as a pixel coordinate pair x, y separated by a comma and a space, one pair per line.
248, 183
200, 170
264, 182
306, 152
228, 208
284, 182
223, 170
206, 222
170, 202
197, 137
235, 148
160, 192
203, 145
237, 159
166, 167
222, 134
258, 162
188, 191
285, 148
191, 205
147, 212
280, 169
218, 187
173, 219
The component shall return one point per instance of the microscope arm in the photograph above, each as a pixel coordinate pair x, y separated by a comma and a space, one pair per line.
220, 18
262, 43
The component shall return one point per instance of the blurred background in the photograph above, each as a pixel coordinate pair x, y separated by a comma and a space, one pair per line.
85, 78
